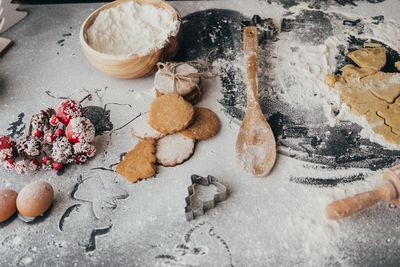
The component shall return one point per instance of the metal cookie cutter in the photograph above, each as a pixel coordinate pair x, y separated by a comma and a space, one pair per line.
196, 207
266, 29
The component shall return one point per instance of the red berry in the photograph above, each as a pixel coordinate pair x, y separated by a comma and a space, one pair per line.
90, 152
20, 167
54, 120
49, 138
80, 130
59, 132
80, 159
7, 147
38, 133
46, 160
34, 164
57, 166
11, 161
70, 135
69, 109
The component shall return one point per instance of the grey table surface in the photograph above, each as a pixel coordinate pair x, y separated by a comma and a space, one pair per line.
264, 222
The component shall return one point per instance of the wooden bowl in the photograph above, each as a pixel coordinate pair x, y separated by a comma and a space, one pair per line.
134, 66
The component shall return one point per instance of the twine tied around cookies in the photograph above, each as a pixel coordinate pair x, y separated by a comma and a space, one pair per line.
169, 69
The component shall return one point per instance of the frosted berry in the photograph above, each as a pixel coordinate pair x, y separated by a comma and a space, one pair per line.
7, 147
34, 164
91, 152
39, 121
80, 158
9, 164
80, 130
59, 132
20, 167
57, 166
38, 133
85, 148
62, 150
54, 120
46, 160
29, 147
49, 138
67, 110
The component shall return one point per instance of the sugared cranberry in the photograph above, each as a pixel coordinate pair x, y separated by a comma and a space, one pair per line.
80, 130
34, 164
38, 133
59, 132
54, 120
9, 164
20, 167
87, 149
57, 166
39, 122
49, 138
29, 147
46, 160
91, 152
7, 147
80, 158
67, 110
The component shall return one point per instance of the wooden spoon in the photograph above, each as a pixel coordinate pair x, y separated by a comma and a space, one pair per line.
255, 144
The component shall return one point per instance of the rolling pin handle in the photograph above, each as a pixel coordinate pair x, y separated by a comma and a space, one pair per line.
351, 205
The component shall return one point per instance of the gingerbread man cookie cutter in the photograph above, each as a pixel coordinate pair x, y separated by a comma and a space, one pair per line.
196, 207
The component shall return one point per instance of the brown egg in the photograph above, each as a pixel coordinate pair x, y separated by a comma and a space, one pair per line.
34, 199
7, 203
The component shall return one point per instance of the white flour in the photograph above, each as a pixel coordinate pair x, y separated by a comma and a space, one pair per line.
131, 28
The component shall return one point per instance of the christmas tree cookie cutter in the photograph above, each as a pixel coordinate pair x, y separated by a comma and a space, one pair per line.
196, 207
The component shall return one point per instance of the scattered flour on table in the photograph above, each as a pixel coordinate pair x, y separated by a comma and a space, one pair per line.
131, 28
298, 217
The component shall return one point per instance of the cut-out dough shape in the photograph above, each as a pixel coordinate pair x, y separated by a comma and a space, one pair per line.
351, 72
397, 65
383, 85
373, 94
371, 57
174, 149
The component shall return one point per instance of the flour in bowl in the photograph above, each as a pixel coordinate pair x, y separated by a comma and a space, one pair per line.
131, 28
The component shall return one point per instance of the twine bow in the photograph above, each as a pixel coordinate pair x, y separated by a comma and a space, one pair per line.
170, 69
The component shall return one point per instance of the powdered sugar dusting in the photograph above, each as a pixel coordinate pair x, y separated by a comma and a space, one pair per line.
142, 129
82, 129
62, 150
174, 149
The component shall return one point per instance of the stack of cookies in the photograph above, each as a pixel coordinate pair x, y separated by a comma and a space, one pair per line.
168, 132
180, 78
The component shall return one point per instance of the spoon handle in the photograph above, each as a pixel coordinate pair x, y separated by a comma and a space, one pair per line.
250, 48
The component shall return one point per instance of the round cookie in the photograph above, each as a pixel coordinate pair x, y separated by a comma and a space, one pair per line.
205, 124
174, 149
170, 113
142, 129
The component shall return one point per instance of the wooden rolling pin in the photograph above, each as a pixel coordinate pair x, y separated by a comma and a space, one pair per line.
389, 191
